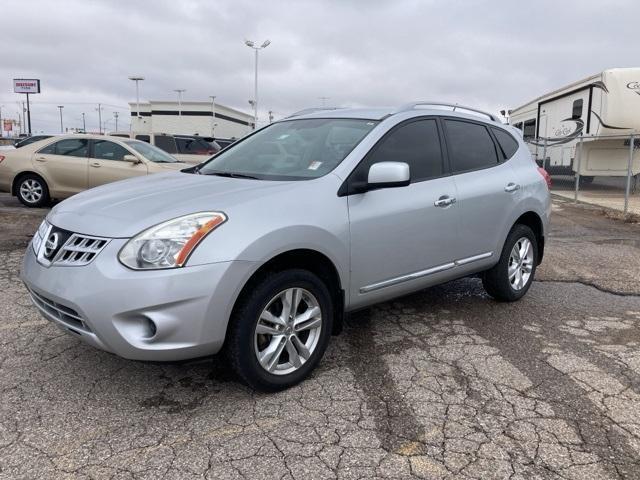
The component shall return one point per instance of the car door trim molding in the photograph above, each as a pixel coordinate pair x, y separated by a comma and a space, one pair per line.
424, 273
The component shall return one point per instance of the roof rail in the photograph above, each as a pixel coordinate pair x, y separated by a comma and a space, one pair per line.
307, 111
454, 106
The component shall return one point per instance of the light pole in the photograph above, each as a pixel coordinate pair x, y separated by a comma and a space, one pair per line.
115, 114
250, 44
179, 91
213, 113
137, 79
99, 109
1, 124
61, 127
84, 124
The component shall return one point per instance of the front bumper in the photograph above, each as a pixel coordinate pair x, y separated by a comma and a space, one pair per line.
158, 315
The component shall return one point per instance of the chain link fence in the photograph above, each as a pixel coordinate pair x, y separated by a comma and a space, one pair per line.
601, 170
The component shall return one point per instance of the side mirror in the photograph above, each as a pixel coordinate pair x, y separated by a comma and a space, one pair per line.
388, 175
131, 158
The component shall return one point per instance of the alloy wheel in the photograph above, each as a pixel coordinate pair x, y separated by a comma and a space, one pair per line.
520, 263
288, 331
31, 190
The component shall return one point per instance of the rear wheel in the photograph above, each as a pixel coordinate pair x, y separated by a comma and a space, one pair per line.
32, 190
280, 329
512, 276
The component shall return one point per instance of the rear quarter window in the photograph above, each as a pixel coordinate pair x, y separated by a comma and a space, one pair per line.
507, 143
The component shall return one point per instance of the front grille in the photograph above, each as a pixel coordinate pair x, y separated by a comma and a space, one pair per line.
79, 250
64, 314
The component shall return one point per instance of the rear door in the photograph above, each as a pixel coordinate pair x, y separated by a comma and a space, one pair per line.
64, 165
400, 239
487, 187
107, 163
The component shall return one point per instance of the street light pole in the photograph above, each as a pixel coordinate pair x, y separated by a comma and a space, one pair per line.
137, 79
99, 109
115, 114
84, 124
251, 44
61, 126
180, 91
213, 113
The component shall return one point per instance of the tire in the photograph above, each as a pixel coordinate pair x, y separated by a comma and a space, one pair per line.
245, 344
32, 191
504, 283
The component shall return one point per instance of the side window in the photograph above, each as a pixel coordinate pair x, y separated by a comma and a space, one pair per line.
105, 150
518, 125
529, 130
144, 138
576, 111
507, 143
166, 143
49, 149
416, 143
71, 147
122, 135
470, 146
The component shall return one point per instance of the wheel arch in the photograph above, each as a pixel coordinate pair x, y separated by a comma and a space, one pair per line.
308, 259
532, 220
16, 179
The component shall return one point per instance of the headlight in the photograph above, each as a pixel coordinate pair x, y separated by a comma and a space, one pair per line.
39, 236
169, 244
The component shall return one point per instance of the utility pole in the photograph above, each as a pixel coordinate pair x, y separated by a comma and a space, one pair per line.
99, 109
1, 124
60, 107
84, 124
115, 114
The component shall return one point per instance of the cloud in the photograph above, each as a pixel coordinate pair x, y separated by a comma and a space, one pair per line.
491, 54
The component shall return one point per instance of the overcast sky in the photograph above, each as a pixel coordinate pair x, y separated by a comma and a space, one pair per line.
487, 53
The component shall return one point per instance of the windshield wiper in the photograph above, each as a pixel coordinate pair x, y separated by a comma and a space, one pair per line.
232, 175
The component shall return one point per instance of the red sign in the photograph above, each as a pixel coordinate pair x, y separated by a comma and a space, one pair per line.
8, 125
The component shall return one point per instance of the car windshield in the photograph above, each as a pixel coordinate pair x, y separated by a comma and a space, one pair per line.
150, 152
291, 150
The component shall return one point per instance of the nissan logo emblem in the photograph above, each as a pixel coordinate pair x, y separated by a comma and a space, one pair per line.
51, 245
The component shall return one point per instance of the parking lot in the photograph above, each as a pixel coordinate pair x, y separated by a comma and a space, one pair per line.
445, 383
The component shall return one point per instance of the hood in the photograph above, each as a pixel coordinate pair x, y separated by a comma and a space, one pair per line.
123, 209
161, 167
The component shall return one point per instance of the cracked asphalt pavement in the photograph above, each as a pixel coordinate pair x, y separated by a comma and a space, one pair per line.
445, 383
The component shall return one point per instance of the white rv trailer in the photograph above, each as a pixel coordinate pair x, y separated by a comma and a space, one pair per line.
599, 106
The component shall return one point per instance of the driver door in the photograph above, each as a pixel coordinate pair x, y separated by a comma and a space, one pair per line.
403, 238
107, 164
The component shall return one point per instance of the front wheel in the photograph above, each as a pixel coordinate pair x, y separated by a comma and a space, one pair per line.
512, 276
280, 329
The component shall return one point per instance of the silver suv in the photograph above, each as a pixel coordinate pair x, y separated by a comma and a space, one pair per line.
260, 251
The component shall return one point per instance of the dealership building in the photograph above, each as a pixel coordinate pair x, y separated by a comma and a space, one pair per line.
190, 118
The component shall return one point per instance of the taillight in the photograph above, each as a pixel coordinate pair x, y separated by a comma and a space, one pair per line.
546, 176
1, 158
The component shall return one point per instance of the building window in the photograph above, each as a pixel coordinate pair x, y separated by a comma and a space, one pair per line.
529, 130
577, 109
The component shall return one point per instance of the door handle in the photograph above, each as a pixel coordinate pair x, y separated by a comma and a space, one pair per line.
511, 187
444, 201
41, 159
95, 164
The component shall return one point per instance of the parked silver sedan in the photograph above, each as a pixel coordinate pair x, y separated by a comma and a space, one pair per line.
260, 251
